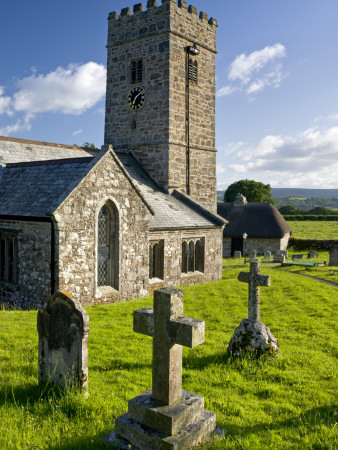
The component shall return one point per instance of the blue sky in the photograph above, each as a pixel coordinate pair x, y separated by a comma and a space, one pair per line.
277, 77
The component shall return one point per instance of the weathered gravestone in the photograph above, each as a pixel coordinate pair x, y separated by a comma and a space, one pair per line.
267, 254
165, 417
63, 327
333, 256
253, 254
312, 254
283, 252
237, 254
279, 259
252, 335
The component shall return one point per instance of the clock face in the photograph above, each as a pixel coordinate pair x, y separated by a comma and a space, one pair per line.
136, 98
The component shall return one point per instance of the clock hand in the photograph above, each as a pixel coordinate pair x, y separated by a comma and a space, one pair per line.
136, 97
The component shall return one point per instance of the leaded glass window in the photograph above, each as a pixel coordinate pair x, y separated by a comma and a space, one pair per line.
103, 269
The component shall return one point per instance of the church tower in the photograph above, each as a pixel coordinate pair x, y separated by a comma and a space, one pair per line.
160, 100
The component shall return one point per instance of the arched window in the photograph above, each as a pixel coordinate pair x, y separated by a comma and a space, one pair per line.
107, 248
193, 255
184, 257
156, 259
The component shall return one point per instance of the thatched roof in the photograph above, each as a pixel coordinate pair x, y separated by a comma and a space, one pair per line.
258, 220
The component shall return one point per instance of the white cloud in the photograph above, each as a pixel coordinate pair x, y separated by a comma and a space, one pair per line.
77, 132
70, 91
255, 71
5, 102
19, 125
244, 66
307, 159
220, 168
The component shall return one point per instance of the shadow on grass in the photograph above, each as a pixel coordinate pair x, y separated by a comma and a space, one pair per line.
30, 394
120, 364
304, 422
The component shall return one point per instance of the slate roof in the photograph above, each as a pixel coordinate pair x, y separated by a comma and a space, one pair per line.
37, 188
258, 220
14, 150
170, 211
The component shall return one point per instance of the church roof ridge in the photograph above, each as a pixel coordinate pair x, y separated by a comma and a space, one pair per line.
48, 162
46, 144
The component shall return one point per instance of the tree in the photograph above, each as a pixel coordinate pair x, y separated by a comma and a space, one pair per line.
290, 210
254, 191
88, 145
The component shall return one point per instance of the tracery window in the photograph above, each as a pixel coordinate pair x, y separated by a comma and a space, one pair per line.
193, 255
137, 71
156, 259
107, 248
8, 257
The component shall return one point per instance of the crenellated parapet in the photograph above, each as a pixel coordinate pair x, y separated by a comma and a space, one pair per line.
169, 16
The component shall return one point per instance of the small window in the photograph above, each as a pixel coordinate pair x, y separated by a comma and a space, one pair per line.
192, 255
156, 259
137, 71
8, 257
192, 71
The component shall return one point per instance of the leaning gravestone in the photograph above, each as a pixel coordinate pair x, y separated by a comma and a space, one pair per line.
63, 327
252, 335
267, 254
253, 254
165, 417
333, 256
237, 254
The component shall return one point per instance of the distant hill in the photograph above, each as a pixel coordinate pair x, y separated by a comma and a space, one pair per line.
303, 193
295, 192
301, 198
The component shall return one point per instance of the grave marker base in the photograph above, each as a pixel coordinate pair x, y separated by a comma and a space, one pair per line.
184, 424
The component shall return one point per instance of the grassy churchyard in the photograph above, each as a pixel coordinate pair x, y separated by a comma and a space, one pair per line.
286, 401
308, 229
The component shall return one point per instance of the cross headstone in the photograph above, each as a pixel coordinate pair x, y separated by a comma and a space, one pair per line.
165, 416
237, 254
170, 331
252, 335
63, 327
255, 280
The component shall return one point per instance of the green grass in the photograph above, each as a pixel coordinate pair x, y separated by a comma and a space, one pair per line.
309, 229
282, 402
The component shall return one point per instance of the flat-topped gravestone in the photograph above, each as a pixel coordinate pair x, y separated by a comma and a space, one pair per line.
333, 256
237, 254
283, 252
279, 259
63, 327
267, 254
252, 335
253, 254
165, 417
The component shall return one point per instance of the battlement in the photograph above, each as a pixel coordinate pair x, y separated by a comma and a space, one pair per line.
153, 7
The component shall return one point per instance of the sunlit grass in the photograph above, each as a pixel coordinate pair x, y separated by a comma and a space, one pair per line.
309, 229
282, 402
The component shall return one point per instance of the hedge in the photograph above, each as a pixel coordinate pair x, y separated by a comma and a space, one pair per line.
289, 217
312, 244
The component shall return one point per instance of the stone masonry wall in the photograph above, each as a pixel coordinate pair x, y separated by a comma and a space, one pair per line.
34, 263
77, 236
157, 133
260, 245
173, 257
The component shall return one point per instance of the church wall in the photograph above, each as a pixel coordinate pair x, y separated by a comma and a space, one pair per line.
173, 257
77, 236
33, 263
260, 245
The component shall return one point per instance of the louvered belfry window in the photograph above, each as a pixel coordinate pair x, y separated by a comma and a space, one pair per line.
137, 71
104, 267
192, 71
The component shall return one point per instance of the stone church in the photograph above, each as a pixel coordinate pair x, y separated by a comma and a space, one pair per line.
113, 224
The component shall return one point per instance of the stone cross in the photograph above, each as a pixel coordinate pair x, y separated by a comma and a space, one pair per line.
255, 280
170, 330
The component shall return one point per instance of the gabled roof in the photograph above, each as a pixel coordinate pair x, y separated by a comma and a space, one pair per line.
13, 150
170, 211
258, 220
37, 188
